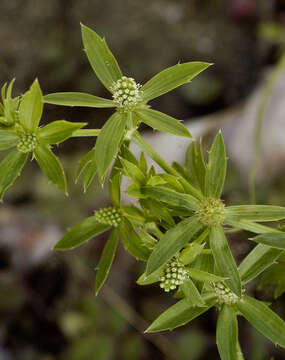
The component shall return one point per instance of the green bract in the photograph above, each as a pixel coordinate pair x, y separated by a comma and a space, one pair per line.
129, 98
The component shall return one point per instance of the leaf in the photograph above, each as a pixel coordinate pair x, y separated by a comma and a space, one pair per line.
108, 142
8, 139
224, 260
51, 166
171, 78
80, 233
216, 168
195, 165
192, 294
190, 253
227, 333
255, 212
143, 163
204, 276
100, 57
272, 277
249, 226
78, 99
10, 168
115, 188
275, 240
131, 241
259, 259
160, 212
84, 162
152, 278
162, 122
177, 315
58, 131
171, 197
31, 107
89, 175
132, 171
106, 260
173, 241
263, 319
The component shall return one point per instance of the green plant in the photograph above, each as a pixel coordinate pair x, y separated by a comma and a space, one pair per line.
178, 226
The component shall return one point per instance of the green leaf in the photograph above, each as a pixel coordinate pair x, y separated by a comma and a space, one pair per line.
10, 168
152, 278
131, 241
227, 333
100, 57
204, 276
272, 277
89, 175
160, 212
249, 226
255, 212
173, 241
216, 168
192, 294
259, 259
224, 260
162, 122
171, 197
195, 165
143, 163
106, 260
84, 162
8, 139
108, 142
31, 107
190, 253
275, 240
263, 319
80, 233
115, 188
78, 99
58, 131
171, 78
51, 166
178, 315
132, 171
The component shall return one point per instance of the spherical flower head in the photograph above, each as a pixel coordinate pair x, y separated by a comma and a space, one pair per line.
110, 216
174, 274
126, 94
211, 212
225, 295
27, 142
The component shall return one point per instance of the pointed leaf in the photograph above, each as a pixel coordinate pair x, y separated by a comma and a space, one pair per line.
108, 142
80, 233
31, 107
171, 78
255, 212
249, 226
204, 276
162, 122
173, 241
275, 240
78, 99
192, 294
84, 162
58, 131
195, 165
10, 168
263, 319
8, 139
100, 57
51, 166
216, 168
227, 333
89, 175
224, 260
106, 260
132, 171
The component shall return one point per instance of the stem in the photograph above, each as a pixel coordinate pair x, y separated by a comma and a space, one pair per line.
86, 132
267, 90
137, 139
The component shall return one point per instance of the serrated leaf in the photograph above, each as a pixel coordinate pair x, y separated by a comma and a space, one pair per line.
255, 212
224, 259
216, 168
100, 57
192, 294
10, 168
51, 166
173, 241
275, 240
108, 142
80, 233
178, 315
58, 131
131, 241
8, 139
227, 333
171, 78
162, 122
263, 319
106, 260
78, 99
31, 107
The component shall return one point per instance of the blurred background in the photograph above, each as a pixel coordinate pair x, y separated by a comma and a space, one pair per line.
48, 308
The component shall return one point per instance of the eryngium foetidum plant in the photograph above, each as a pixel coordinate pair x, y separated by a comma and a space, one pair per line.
178, 224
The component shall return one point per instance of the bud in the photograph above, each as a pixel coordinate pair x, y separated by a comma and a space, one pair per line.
27, 142
174, 274
110, 216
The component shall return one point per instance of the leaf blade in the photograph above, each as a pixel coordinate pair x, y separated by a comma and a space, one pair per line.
58, 131
78, 99
255, 212
227, 333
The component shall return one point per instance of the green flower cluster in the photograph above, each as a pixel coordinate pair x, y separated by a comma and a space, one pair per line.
174, 274
110, 216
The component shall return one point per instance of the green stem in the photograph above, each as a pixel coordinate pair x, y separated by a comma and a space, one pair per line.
267, 90
137, 139
86, 132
